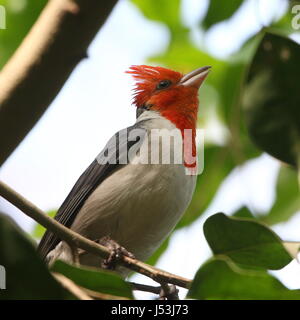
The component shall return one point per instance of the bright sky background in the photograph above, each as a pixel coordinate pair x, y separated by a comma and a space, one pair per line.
95, 103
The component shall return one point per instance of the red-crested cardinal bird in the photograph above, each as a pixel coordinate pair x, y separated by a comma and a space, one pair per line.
124, 196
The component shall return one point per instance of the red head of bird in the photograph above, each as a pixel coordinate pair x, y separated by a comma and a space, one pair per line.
172, 94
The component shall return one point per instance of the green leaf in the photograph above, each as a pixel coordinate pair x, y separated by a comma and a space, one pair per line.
27, 277
231, 78
229, 83
39, 230
99, 281
284, 24
181, 53
219, 11
183, 56
271, 98
166, 11
287, 201
221, 279
246, 242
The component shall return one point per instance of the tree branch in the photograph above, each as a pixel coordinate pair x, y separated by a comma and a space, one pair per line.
75, 239
145, 287
41, 65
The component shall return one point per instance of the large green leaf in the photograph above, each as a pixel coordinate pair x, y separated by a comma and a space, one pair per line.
246, 242
221, 279
287, 201
96, 280
271, 98
20, 16
27, 277
219, 11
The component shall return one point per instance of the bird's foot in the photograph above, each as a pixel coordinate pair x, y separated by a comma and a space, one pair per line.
168, 292
117, 252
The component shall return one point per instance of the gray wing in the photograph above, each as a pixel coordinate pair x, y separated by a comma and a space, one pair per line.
110, 159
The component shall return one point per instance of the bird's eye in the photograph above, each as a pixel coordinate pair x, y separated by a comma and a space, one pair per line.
163, 84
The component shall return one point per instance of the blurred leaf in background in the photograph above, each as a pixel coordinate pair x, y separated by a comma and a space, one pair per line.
271, 98
219, 11
243, 212
165, 11
287, 201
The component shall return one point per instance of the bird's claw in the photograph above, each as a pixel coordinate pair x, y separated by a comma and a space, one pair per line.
117, 252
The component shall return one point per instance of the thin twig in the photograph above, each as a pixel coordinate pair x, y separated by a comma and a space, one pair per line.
75, 239
145, 288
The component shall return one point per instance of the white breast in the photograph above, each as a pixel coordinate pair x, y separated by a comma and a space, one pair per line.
139, 204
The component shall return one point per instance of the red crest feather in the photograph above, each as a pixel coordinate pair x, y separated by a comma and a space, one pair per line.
147, 78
